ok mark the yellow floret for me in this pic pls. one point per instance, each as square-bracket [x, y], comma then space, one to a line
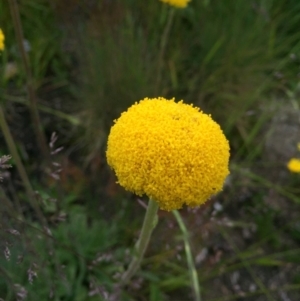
[1, 39]
[177, 3]
[294, 165]
[170, 151]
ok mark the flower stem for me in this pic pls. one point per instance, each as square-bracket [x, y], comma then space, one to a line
[189, 257]
[162, 49]
[142, 243]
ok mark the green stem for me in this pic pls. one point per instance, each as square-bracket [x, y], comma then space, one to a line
[68, 117]
[189, 257]
[142, 243]
[41, 140]
[162, 49]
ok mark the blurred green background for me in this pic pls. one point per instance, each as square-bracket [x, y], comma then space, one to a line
[88, 61]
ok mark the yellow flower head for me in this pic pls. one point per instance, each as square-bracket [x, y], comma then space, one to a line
[170, 151]
[177, 3]
[294, 165]
[1, 39]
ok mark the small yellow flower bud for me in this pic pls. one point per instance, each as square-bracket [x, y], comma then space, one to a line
[294, 165]
[2, 38]
[177, 3]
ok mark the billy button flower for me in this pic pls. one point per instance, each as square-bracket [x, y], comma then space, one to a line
[294, 164]
[2, 38]
[177, 3]
[172, 152]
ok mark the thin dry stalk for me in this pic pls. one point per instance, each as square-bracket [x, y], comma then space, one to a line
[21, 169]
[41, 140]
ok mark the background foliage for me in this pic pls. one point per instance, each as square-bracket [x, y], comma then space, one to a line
[237, 60]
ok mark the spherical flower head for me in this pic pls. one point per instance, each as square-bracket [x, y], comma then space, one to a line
[177, 3]
[294, 165]
[1, 39]
[170, 151]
